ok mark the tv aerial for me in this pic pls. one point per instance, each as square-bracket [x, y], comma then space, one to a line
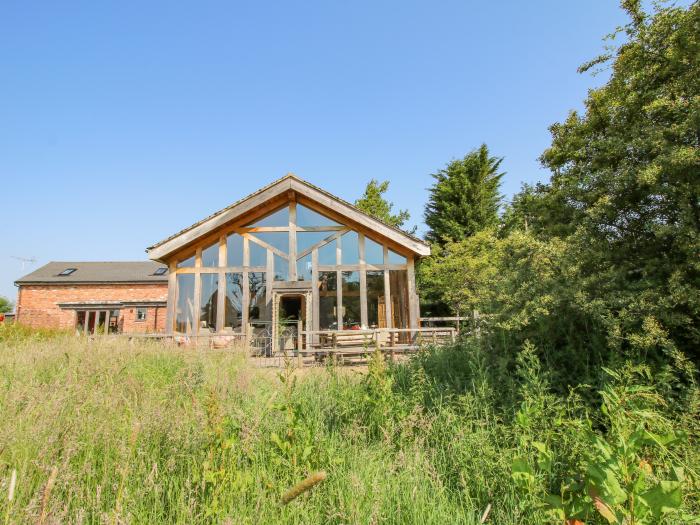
[24, 260]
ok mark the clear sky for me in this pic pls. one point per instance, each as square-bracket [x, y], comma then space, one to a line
[123, 122]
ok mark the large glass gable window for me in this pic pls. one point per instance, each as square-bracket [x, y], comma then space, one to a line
[355, 281]
[307, 218]
[280, 218]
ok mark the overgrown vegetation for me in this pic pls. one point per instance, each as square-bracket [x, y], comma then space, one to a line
[574, 399]
[105, 431]
[600, 264]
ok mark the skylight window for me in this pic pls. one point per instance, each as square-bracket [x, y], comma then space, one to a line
[160, 271]
[67, 271]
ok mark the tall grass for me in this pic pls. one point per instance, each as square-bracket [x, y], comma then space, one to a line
[119, 433]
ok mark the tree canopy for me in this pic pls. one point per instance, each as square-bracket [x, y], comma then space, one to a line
[603, 258]
[5, 305]
[373, 203]
[465, 197]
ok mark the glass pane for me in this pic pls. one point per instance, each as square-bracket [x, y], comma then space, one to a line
[306, 240]
[90, 323]
[234, 250]
[186, 263]
[328, 300]
[374, 252]
[114, 321]
[80, 321]
[307, 217]
[278, 218]
[326, 254]
[258, 300]
[258, 254]
[350, 246]
[398, 286]
[351, 300]
[281, 269]
[279, 240]
[376, 302]
[208, 302]
[233, 304]
[210, 256]
[101, 322]
[304, 268]
[395, 258]
[184, 309]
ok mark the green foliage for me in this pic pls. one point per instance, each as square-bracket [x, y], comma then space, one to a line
[373, 203]
[464, 198]
[142, 433]
[628, 171]
[461, 274]
[616, 480]
[19, 333]
[601, 263]
[5, 305]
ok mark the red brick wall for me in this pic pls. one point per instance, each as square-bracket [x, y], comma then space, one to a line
[37, 305]
[155, 319]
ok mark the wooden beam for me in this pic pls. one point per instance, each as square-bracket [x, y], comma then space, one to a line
[265, 201]
[269, 279]
[387, 293]
[229, 269]
[357, 216]
[292, 241]
[221, 293]
[246, 287]
[363, 282]
[323, 242]
[339, 298]
[267, 246]
[172, 298]
[412, 296]
[339, 285]
[247, 207]
[357, 267]
[197, 292]
[314, 289]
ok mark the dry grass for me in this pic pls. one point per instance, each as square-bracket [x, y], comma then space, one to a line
[105, 432]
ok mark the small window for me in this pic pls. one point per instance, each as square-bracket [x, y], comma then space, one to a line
[67, 271]
[160, 271]
[141, 314]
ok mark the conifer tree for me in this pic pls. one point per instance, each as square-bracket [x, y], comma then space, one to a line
[465, 197]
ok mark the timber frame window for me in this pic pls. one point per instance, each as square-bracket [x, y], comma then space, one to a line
[225, 281]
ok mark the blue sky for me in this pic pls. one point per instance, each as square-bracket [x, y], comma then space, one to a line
[123, 122]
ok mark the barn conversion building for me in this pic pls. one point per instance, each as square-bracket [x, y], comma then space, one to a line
[289, 250]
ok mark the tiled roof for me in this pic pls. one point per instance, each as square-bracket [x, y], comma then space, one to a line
[279, 182]
[96, 272]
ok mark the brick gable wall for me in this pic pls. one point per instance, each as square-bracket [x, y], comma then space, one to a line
[37, 304]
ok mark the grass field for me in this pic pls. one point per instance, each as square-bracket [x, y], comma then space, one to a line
[108, 432]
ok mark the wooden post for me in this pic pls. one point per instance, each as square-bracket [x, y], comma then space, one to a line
[363, 282]
[197, 292]
[248, 333]
[387, 291]
[413, 305]
[300, 342]
[292, 239]
[172, 298]
[245, 306]
[221, 292]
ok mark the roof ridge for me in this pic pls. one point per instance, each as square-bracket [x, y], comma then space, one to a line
[287, 176]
